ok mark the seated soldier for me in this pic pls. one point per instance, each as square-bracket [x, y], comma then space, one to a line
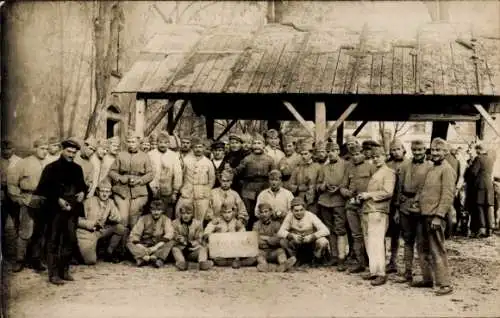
[227, 223]
[223, 194]
[305, 234]
[188, 235]
[270, 245]
[277, 196]
[152, 236]
[101, 220]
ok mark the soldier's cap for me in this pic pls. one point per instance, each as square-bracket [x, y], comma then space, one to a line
[378, 151]
[156, 205]
[439, 142]
[226, 174]
[163, 136]
[351, 139]
[235, 137]
[305, 145]
[356, 149]
[54, 140]
[218, 145]
[114, 140]
[104, 184]
[102, 143]
[145, 141]
[133, 135]
[418, 142]
[70, 143]
[227, 205]
[272, 133]
[332, 146]
[153, 137]
[7, 144]
[196, 141]
[90, 142]
[257, 137]
[247, 138]
[289, 140]
[297, 201]
[264, 205]
[186, 207]
[396, 143]
[40, 141]
[185, 137]
[275, 174]
[319, 146]
[368, 144]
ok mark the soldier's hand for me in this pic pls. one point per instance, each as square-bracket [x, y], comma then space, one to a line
[79, 197]
[124, 180]
[322, 187]
[436, 223]
[308, 238]
[396, 217]
[133, 182]
[174, 197]
[64, 204]
[332, 189]
[155, 190]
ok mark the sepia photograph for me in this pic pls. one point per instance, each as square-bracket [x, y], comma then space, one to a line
[274, 158]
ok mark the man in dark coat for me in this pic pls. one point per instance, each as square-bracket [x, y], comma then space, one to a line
[62, 185]
[233, 158]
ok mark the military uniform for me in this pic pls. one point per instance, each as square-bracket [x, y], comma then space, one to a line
[188, 244]
[280, 201]
[303, 183]
[271, 246]
[7, 205]
[218, 197]
[482, 195]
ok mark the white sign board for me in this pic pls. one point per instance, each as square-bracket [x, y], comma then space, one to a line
[234, 244]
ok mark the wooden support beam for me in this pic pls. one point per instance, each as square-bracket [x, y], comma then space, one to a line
[340, 135]
[209, 126]
[227, 129]
[440, 129]
[320, 121]
[170, 120]
[359, 128]
[442, 117]
[297, 116]
[178, 115]
[140, 112]
[342, 118]
[157, 119]
[488, 119]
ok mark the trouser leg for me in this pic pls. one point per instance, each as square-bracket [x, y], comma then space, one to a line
[409, 224]
[200, 209]
[354, 220]
[53, 243]
[250, 206]
[137, 250]
[169, 205]
[26, 227]
[136, 207]
[39, 228]
[376, 229]
[395, 233]
[339, 228]
[117, 233]
[123, 206]
[327, 217]
[178, 254]
[438, 253]
[68, 241]
[162, 252]
[482, 216]
[423, 246]
[320, 247]
[87, 244]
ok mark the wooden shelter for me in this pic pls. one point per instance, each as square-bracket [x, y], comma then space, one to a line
[283, 72]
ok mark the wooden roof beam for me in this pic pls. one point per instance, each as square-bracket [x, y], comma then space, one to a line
[489, 120]
[157, 119]
[359, 128]
[227, 129]
[342, 118]
[297, 116]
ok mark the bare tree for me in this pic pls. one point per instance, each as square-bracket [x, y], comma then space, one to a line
[388, 132]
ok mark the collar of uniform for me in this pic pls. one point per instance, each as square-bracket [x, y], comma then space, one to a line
[418, 161]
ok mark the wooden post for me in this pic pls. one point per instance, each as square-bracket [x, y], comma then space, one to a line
[489, 120]
[340, 135]
[297, 116]
[209, 126]
[440, 129]
[359, 128]
[320, 122]
[170, 120]
[342, 118]
[140, 112]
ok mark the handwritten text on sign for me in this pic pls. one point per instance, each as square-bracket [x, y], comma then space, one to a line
[236, 244]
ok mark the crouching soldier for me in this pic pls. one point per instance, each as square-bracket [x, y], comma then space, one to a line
[188, 235]
[151, 238]
[227, 223]
[101, 220]
[270, 245]
[304, 232]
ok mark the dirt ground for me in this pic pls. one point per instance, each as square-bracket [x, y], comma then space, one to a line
[109, 290]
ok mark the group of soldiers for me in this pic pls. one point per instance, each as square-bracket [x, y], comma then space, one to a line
[309, 203]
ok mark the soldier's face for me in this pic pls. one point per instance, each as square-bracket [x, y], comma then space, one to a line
[289, 149]
[7, 153]
[54, 149]
[156, 213]
[225, 183]
[306, 155]
[199, 150]
[218, 153]
[273, 141]
[418, 152]
[437, 152]
[145, 146]
[69, 153]
[186, 215]
[333, 154]
[234, 145]
[132, 144]
[321, 154]
[397, 152]
[41, 151]
[368, 153]
[265, 214]
[185, 145]
[227, 215]
[247, 145]
[275, 184]
[114, 148]
[163, 145]
[298, 212]
[104, 194]
[88, 150]
[154, 145]
[379, 160]
[257, 146]
[101, 152]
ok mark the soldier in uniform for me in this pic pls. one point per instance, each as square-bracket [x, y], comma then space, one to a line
[109, 158]
[145, 145]
[376, 207]
[435, 199]
[303, 182]
[130, 173]
[186, 147]
[63, 187]
[291, 160]
[411, 176]
[218, 153]
[8, 207]
[396, 159]
[233, 158]
[22, 182]
[359, 173]
[168, 177]
[153, 141]
[273, 146]
[279, 198]
[54, 151]
[320, 155]
[83, 159]
[198, 180]
[254, 170]
[332, 177]
[96, 160]
[247, 142]
[367, 146]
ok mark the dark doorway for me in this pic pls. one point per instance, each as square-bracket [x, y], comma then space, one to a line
[113, 122]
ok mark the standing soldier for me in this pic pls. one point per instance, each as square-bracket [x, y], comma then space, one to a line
[358, 176]
[109, 158]
[54, 150]
[279, 198]
[246, 145]
[22, 184]
[291, 160]
[233, 158]
[320, 155]
[145, 145]
[367, 146]
[218, 152]
[155, 158]
[130, 173]
[96, 160]
[254, 170]
[8, 207]
[186, 147]
[83, 159]
[303, 182]
[153, 141]
[198, 179]
[396, 159]
[273, 146]
[376, 207]
[435, 199]
[411, 176]
[332, 177]
[169, 175]
[63, 187]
